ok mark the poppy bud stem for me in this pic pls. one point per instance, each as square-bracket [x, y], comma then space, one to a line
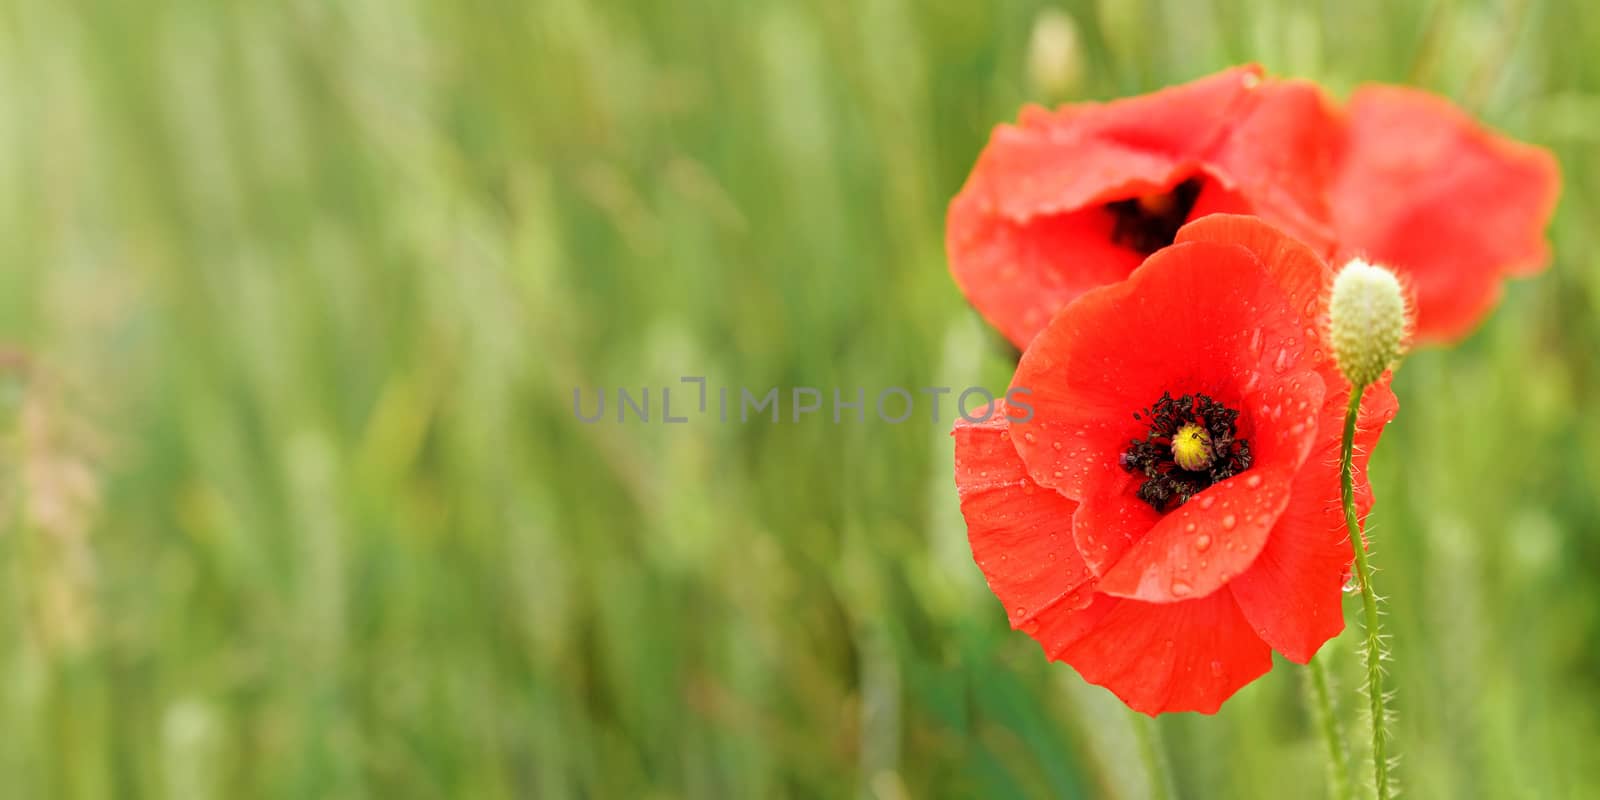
[1369, 604]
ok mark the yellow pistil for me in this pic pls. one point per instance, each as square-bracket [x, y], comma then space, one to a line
[1191, 447]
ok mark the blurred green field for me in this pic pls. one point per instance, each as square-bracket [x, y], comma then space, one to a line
[294, 297]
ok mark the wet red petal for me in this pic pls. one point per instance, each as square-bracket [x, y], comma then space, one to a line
[1111, 519]
[1293, 593]
[1449, 205]
[1299, 273]
[1062, 628]
[1020, 532]
[1161, 657]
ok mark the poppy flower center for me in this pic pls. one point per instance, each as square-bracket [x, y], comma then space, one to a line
[1192, 443]
[1150, 222]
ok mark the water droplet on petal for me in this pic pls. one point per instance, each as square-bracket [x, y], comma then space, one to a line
[1202, 541]
[1253, 481]
[1228, 522]
[1181, 589]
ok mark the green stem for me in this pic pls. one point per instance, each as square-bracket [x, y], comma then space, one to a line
[1321, 700]
[1369, 604]
[1155, 761]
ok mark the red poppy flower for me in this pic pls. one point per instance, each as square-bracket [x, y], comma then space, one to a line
[1170, 512]
[1071, 199]
[1446, 204]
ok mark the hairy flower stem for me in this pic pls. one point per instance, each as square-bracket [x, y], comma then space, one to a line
[1321, 700]
[1369, 604]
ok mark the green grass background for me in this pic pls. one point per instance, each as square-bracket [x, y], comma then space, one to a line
[293, 297]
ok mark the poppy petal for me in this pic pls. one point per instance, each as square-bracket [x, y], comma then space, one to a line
[1378, 408]
[1161, 657]
[1451, 206]
[1020, 532]
[1292, 594]
[1087, 154]
[1017, 274]
[1062, 627]
[1300, 274]
[1110, 519]
[1281, 156]
[1215, 198]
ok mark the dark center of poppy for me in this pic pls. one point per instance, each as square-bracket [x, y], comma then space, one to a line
[1148, 223]
[1192, 444]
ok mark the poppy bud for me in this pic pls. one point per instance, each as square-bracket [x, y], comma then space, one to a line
[1368, 321]
[1055, 60]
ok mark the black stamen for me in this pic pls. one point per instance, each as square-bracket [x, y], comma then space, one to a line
[1148, 224]
[1166, 481]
